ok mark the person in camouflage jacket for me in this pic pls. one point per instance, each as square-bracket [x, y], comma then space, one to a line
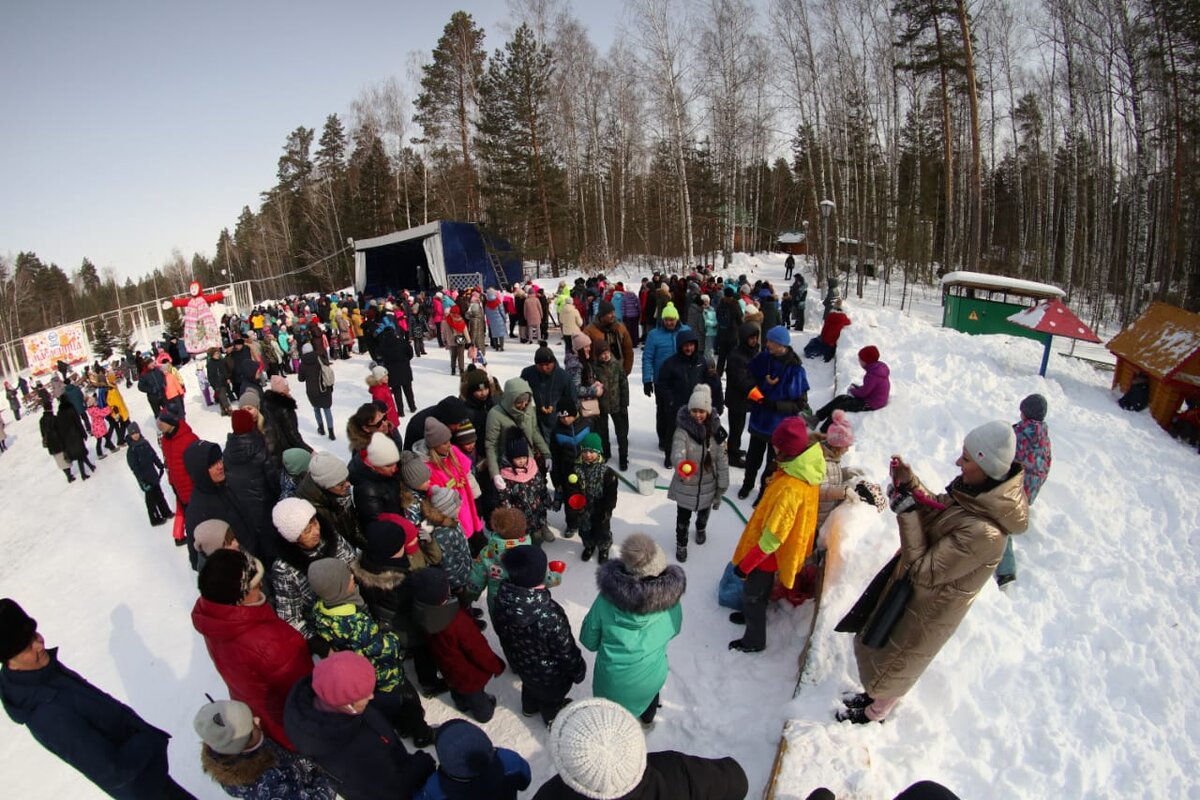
[535, 635]
[340, 617]
[508, 530]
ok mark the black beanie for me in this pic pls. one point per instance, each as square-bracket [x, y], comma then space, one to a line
[16, 629]
[606, 308]
[526, 565]
[544, 355]
[223, 577]
[430, 586]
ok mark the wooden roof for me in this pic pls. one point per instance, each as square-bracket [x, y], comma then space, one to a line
[1164, 342]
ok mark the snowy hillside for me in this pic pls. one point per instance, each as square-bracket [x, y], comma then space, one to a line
[1078, 682]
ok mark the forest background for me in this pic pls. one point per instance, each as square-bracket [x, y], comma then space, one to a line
[1054, 140]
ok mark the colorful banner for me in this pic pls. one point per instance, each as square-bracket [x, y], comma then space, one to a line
[45, 349]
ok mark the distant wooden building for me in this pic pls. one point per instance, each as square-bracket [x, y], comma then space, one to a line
[1163, 343]
[792, 242]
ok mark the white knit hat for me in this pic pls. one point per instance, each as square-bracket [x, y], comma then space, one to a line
[701, 398]
[598, 748]
[382, 451]
[992, 446]
[379, 373]
[291, 516]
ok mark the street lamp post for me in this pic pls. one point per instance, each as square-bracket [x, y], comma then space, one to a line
[827, 207]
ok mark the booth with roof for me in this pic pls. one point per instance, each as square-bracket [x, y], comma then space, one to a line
[978, 303]
[452, 255]
[1164, 345]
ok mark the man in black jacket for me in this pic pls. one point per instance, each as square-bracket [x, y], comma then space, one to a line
[551, 385]
[740, 383]
[212, 498]
[114, 748]
[679, 375]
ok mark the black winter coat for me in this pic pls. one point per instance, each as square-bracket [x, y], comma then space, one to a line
[671, 776]
[548, 390]
[217, 371]
[71, 432]
[104, 739]
[310, 376]
[144, 463]
[374, 494]
[536, 637]
[389, 598]
[254, 483]
[243, 370]
[216, 501]
[362, 753]
[153, 383]
[678, 375]
[395, 353]
[739, 380]
[281, 426]
[51, 440]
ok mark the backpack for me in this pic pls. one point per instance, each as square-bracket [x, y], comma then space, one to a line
[327, 377]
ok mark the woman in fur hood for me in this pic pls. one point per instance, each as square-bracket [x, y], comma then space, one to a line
[635, 616]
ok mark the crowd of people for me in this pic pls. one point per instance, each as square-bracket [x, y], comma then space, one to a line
[418, 540]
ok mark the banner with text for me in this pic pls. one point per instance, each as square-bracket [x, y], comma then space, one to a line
[45, 349]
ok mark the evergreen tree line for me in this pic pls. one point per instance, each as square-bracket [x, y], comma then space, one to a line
[1054, 140]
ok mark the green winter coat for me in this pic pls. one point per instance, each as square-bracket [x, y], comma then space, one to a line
[628, 627]
[504, 416]
[348, 627]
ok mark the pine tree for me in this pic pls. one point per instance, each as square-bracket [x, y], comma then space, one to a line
[449, 92]
[89, 277]
[512, 138]
[104, 341]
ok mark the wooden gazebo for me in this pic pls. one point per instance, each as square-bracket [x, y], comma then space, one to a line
[1163, 343]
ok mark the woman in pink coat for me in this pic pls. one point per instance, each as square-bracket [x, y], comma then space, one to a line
[437, 313]
[450, 467]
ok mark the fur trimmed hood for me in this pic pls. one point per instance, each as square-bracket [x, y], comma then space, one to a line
[688, 424]
[385, 579]
[640, 595]
[242, 769]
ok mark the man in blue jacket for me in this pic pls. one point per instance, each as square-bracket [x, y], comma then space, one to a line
[112, 746]
[779, 376]
[660, 345]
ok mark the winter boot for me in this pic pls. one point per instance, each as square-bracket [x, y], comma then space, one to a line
[701, 535]
[70, 475]
[587, 553]
[737, 460]
[569, 533]
[681, 553]
[856, 715]
[602, 555]
[624, 465]
[320, 430]
[332, 435]
[856, 699]
[745, 491]
[547, 534]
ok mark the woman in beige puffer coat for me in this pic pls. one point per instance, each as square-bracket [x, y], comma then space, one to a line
[950, 545]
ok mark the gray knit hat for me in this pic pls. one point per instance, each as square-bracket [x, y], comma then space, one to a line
[413, 470]
[327, 470]
[1034, 407]
[328, 578]
[436, 433]
[992, 446]
[249, 399]
[642, 556]
[447, 501]
[225, 726]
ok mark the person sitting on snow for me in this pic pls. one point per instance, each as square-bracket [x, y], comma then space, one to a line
[871, 395]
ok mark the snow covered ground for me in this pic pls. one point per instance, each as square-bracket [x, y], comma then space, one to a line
[1078, 682]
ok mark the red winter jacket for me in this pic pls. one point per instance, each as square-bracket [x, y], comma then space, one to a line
[259, 656]
[832, 329]
[463, 655]
[172, 450]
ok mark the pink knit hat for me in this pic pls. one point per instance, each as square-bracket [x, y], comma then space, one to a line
[343, 678]
[839, 433]
[279, 384]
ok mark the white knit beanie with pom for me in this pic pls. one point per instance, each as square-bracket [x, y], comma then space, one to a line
[598, 748]
[701, 398]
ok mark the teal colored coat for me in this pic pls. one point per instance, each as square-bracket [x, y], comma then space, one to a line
[628, 627]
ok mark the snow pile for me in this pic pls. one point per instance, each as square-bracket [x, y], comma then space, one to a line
[1076, 683]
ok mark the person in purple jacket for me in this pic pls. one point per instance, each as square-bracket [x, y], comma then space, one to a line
[871, 395]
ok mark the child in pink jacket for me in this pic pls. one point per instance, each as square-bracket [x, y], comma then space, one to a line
[450, 467]
[103, 432]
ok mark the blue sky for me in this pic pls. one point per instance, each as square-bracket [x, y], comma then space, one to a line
[131, 128]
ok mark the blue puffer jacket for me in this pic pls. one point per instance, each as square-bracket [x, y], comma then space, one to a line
[536, 637]
[660, 345]
[781, 400]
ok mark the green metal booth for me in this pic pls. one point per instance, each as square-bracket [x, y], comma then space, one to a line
[978, 303]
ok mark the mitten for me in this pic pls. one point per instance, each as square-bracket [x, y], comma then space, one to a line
[737, 573]
[871, 493]
[716, 506]
[499, 483]
[648, 388]
[900, 500]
